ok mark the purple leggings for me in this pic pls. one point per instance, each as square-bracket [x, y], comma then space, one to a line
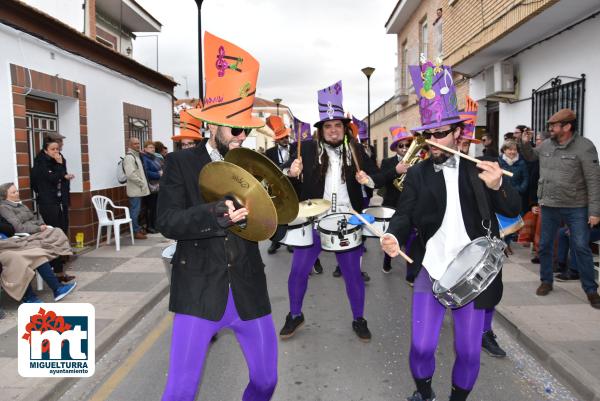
[303, 261]
[189, 343]
[427, 319]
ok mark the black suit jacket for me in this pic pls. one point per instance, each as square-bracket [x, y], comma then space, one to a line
[272, 154]
[388, 174]
[422, 204]
[208, 258]
[312, 186]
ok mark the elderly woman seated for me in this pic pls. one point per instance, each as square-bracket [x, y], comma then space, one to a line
[18, 262]
[24, 221]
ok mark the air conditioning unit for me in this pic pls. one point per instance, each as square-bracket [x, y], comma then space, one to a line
[499, 79]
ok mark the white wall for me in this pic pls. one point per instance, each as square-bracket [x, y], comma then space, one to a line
[69, 12]
[571, 53]
[106, 92]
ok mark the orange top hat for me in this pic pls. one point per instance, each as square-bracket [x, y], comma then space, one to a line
[231, 75]
[189, 127]
[276, 124]
[470, 114]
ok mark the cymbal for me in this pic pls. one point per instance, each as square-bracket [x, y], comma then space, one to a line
[219, 179]
[313, 207]
[277, 185]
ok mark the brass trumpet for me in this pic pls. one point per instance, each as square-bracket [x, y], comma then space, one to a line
[411, 158]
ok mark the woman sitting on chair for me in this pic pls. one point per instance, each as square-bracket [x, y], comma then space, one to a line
[24, 221]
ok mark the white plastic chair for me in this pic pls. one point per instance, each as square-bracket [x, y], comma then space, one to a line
[106, 218]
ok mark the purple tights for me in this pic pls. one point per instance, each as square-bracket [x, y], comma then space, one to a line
[189, 343]
[303, 261]
[427, 319]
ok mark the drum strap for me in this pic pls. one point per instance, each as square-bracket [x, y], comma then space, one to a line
[482, 200]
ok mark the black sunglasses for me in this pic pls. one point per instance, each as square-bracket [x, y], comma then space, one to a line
[437, 135]
[403, 146]
[238, 131]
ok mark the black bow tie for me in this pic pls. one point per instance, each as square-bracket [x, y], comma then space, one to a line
[451, 163]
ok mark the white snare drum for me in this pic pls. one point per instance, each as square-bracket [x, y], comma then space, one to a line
[167, 256]
[471, 272]
[337, 234]
[299, 233]
[382, 215]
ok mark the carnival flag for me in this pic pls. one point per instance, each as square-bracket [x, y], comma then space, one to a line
[301, 130]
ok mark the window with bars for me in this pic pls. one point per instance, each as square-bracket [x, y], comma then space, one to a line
[423, 38]
[138, 128]
[546, 102]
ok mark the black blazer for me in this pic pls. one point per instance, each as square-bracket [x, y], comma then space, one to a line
[422, 204]
[312, 186]
[272, 154]
[208, 258]
[388, 170]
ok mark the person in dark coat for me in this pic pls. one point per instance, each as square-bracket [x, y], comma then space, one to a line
[447, 199]
[153, 170]
[218, 279]
[51, 183]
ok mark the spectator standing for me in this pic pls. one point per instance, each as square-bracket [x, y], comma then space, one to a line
[489, 146]
[137, 184]
[153, 170]
[569, 190]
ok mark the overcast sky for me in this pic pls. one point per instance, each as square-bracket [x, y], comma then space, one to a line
[301, 45]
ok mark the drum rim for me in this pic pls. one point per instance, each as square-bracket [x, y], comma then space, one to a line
[379, 207]
[329, 232]
[297, 226]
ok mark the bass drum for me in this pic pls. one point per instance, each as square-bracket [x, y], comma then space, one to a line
[471, 272]
[382, 215]
[338, 234]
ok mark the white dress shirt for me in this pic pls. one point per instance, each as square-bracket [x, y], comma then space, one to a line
[334, 183]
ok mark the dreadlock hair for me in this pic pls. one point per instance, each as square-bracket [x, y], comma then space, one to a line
[349, 145]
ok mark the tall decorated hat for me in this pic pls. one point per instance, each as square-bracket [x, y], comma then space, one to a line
[436, 94]
[276, 124]
[189, 127]
[330, 104]
[398, 133]
[362, 128]
[470, 113]
[231, 75]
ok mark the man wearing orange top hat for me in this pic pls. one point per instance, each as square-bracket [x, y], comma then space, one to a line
[189, 130]
[279, 154]
[218, 278]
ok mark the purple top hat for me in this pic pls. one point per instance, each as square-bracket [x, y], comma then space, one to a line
[398, 134]
[330, 104]
[362, 128]
[437, 95]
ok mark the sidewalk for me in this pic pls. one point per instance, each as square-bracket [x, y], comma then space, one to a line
[561, 329]
[122, 286]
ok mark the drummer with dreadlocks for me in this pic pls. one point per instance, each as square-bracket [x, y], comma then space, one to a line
[446, 199]
[327, 170]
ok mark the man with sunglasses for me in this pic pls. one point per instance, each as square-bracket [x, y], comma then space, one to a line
[569, 190]
[218, 279]
[448, 200]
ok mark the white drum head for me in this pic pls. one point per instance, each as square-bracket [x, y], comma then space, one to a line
[330, 222]
[169, 251]
[380, 212]
[468, 258]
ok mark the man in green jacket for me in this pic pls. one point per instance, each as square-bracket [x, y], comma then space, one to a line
[569, 190]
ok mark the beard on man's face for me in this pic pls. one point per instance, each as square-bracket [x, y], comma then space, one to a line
[222, 144]
[439, 159]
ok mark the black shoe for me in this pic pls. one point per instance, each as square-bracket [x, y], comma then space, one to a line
[362, 331]
[418, 397]
[365, 276]
[291, 325]
[337, 272]
[535, 260]
[569, 275]
[151, 230]
[387, 268]
[273, 248]
[317, 268]
[489, 345]
[290, 249]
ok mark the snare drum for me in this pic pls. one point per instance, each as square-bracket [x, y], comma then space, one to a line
[299, 233]
[382, 215]
[337, 234]
[471, 272]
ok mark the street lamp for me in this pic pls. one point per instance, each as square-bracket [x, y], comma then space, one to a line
[277, 101]
[368, 71]
[200, 77]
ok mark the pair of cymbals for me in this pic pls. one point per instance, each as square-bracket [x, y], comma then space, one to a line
[255, 182]
[313, 207]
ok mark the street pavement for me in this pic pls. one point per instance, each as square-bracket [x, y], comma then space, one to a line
[324, 361]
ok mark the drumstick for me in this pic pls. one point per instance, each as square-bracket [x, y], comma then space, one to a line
[456, 152]
[354, 158]
[378, 233]
[299, 155]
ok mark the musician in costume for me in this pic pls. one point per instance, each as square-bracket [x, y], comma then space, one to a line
[218, 278]
[326, 170]
[446, 199]
[279, 154]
